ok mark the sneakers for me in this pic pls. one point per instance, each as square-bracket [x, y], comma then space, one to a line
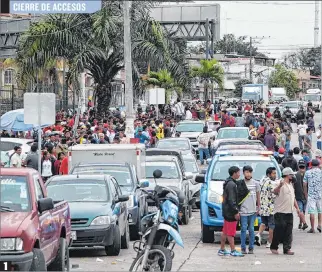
[319, 229]
[236, 253]
[251, 251]
[300, 226]
[305, 226]
[268, 244]
[223, 252]
[243, 251]
[311, 231]
[258, 240]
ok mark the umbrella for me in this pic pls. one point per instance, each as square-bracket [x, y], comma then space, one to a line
[14, 120]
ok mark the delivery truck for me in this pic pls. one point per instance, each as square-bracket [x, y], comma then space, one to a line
[255, 92]
[314, 96]
[133, 154]
[278, 95]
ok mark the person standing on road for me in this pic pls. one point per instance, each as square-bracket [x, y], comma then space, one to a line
[283, 213]
[318, 137]
[299, 193]
[301, 130]
[230, 213]
[313, 190]
[31, 160]
[249, 210]
[267, 184]
[203, 144]
[308, 141]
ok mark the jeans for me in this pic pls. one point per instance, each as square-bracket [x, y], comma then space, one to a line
[287, 146]
[319, 145]
[283, 232]
[203, 151]
[247, 222]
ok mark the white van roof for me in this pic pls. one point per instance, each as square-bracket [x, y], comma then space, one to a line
[102, 147]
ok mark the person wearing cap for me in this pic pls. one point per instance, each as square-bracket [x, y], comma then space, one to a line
[142, 138]
[283, 213]
[318, 137]
[318, 156]
[313, 192]
[299, 193]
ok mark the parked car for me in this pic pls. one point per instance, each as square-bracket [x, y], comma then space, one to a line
[182, 144]
[99, 215]
[240, 145]
[35, 230]
[212, 186]
[126, 177]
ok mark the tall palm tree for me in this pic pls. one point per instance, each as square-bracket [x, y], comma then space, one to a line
[209, 72]
[95, 43]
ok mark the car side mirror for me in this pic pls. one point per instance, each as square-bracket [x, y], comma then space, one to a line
[144, 184]
[200, 179]
[45, 204]
[122, 198]
[188, 175]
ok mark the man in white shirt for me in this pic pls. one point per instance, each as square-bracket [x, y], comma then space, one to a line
[318, 137]
[179, 110]
[188, 114]
[301, 130]
[16, 158]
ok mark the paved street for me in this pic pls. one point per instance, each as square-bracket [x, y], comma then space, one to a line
[197, 256]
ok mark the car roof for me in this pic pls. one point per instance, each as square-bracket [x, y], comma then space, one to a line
[234, 128]
[17, 140]
[191, 122]
[101, 164]
[160, 158]
[174, 139]
[80, 177]
[245, 158]
[17, 171]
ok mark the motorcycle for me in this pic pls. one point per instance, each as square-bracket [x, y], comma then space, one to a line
[159, 231]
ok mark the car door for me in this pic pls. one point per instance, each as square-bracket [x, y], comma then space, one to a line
[46, 226]
[122, 207]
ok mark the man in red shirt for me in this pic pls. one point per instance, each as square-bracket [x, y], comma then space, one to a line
[247, 107]
[63, 169]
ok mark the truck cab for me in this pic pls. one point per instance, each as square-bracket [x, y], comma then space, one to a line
[314, 95]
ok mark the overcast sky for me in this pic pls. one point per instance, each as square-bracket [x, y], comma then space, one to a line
[289, 24]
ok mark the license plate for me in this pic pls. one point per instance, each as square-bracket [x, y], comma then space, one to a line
[152, 209]
[255, 223]
[74, 235]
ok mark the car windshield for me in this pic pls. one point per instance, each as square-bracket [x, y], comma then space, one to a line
[189, 127]
[233, 134]
[220, 171]
[120, 173]
[174, 144]
[312, 97]
[78, 190]
[14, 194]
[190, 165]
[169, 169]
[291, 105]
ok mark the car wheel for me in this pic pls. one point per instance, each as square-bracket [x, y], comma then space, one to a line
[185, 217]
[125, 239]
[38, 261]
[190, 211]
[61, 262]
[115, 248]
[208, 236]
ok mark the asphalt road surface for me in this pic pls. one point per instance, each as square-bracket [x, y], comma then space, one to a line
[196, 256]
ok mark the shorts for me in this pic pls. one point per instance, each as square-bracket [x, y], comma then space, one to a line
[314, 206]
[268, 221]
[229, 228]
[302, 205]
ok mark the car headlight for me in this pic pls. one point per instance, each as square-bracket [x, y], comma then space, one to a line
[214, 197]
[8, 244]
[101, 220]
[130, 202]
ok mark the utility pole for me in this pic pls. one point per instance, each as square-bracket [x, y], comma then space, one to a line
[321, 57]
[316, 24]
[250, 59]
[128, 70]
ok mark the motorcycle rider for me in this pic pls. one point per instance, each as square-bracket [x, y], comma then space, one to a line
[277, 113]
[288, 113]
[300, 116]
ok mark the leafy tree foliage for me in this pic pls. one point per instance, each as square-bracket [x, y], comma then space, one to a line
[284, 78]
[239, 86]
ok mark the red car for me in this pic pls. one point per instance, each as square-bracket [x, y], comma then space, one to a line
[35, 232]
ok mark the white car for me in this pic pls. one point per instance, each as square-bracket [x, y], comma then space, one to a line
[231, 133]
[8, 145]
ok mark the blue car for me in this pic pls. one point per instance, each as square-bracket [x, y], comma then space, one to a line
[212, 186]
[99, 215]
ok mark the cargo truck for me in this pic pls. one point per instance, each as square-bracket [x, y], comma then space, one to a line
[255, 92]
[278, 95]
[314, 95]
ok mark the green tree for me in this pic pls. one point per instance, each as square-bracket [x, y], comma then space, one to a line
[284, 78]
[239, 86]
[163, 79]
[209, 72]
[94, 42]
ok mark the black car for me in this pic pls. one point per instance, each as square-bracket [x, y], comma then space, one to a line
[125, 175]
[98, 210]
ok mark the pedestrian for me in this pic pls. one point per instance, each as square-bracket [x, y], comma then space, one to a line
[267, 185]
[31, 160]
[283, 213]
[47, 167]
[313, 190]
[203, 144]
[299, 193]
[296, 154]
[270, 140]
[249, 210]
[308, 141]
[301, 130]
[16, 157]
[230, 213]
[289, 161]
[318, 137]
